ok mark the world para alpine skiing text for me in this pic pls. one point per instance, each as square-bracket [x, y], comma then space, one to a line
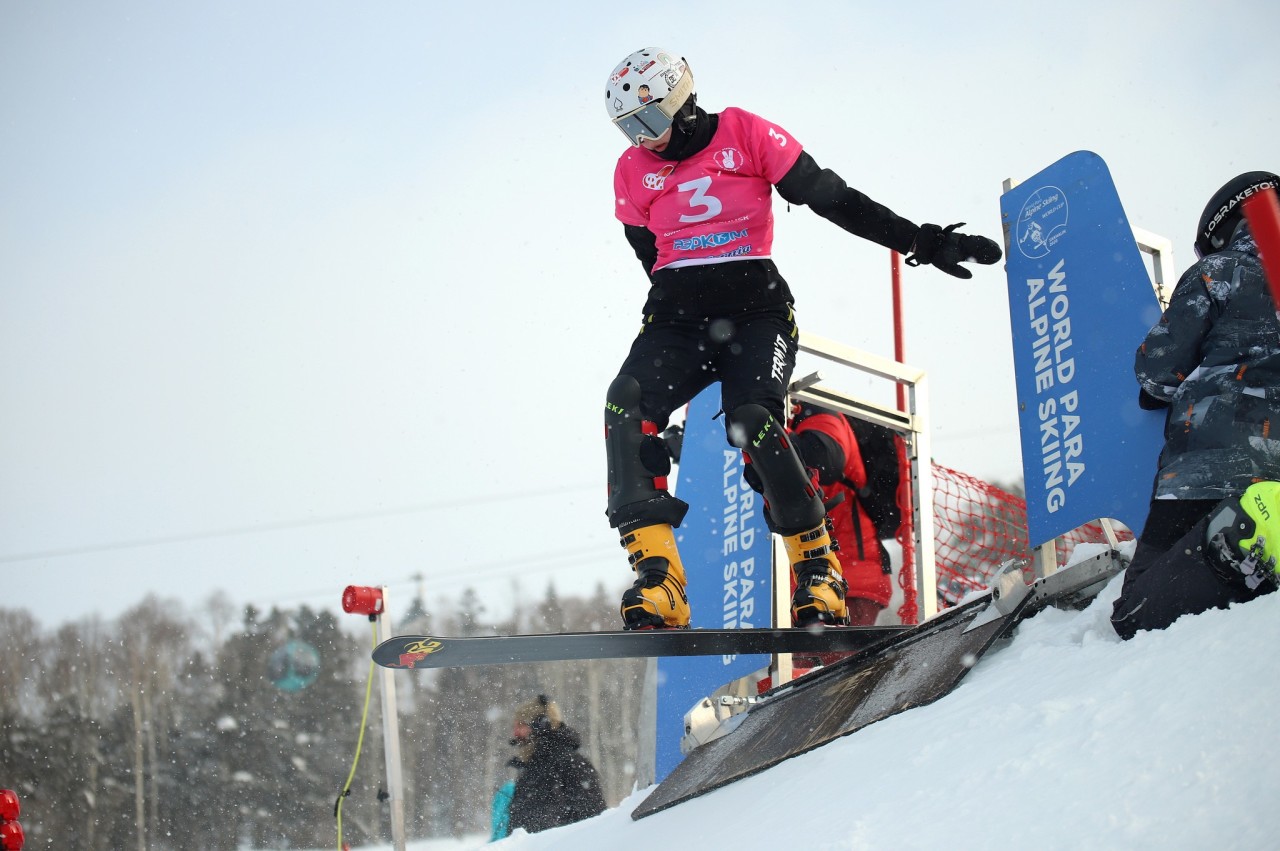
[1061, 439]
[738, 537]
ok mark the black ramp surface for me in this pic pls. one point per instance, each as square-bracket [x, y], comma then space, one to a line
[913, 669]
[906, 670]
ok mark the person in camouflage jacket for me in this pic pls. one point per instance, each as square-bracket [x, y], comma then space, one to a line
[1213, 360]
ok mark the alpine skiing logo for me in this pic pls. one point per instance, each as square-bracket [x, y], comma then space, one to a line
[1042, 222]
[657, 181]
[729, 159]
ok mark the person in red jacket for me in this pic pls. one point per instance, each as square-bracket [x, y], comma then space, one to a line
[826, 443]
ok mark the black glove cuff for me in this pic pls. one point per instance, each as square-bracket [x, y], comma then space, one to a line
[926, 242]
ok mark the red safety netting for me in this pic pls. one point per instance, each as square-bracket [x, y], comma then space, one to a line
[978, 527]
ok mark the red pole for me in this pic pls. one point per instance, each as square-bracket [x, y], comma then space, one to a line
[909, 612]
[1263, 212]
[895, 273]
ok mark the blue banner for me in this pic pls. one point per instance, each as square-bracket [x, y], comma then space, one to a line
[726, 550]
[1080, 303]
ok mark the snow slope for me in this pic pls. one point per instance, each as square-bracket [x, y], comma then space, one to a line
[1065, 738]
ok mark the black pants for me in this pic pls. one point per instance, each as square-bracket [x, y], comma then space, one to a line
[751, 354]
[1171, 574]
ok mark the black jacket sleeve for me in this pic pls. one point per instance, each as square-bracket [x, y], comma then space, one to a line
[1147, 402]
[645, 245]
[826, 193]
[821, 452]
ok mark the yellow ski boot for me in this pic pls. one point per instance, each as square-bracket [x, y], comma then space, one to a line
[819, 597]
[657, 599]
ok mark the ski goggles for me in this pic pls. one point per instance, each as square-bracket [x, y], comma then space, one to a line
[654, 118]
[648, 122]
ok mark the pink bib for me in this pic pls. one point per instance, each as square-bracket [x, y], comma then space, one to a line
[715, 206]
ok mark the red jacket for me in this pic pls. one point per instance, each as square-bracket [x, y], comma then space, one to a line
[862, 557]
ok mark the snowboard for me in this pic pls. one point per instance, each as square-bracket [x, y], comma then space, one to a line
[910, 669]
[438, 651]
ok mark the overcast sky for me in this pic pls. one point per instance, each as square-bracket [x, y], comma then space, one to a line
[301, 294]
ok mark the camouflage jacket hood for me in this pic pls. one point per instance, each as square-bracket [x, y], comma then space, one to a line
[1214, 356]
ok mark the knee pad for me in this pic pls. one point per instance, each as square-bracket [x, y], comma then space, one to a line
[793, 501]
[638, 461]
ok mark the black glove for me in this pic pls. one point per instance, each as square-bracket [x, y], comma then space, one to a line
[947, 249]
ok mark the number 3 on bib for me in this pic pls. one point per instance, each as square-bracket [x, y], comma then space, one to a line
[709, 204]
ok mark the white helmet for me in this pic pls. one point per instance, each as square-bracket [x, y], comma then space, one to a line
[646, 91]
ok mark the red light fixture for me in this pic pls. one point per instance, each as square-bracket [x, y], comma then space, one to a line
[11, 836]
[362, 600]
[9, 806]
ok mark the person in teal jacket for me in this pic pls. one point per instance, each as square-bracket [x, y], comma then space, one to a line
[500, 817]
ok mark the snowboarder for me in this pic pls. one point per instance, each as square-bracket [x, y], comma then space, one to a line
[1213, 531]
[556, 784]
[694, 195]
